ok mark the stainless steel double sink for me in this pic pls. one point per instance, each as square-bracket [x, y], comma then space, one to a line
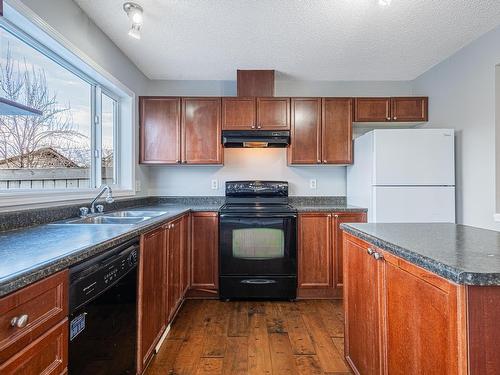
[125, 217]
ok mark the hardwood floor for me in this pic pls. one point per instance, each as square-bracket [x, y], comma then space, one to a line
[255, 338]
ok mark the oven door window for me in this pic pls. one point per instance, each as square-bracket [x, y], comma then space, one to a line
[258, 243]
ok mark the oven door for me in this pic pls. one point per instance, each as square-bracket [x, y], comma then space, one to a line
[258, 244]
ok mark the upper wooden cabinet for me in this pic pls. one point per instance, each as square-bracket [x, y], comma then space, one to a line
[336, 129]
[239, 113]
[180, 131]
[398, 109]
[273, 113]
[410, 109]
[201, 131]
[160, 130]
[305, 131]
[321, 131]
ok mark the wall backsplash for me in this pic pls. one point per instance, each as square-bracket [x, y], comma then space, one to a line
[251, 164]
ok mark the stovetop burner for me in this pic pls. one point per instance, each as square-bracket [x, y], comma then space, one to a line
[257, 196]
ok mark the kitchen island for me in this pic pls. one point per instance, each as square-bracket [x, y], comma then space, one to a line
[428, 296]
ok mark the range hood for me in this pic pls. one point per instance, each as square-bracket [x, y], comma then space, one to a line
[255, 138]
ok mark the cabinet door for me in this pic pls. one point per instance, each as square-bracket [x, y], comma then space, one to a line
[338, 243]
[372, 109]
[239, 113]
[174, 261]
[337, 131]
[47, 355]
[201, 131]
[205, 251]
[362, 291]
[185, 253]
[305, 131]
[410, 109]
[160, 130]
[273, 113]
[151, 297]
[315, 250]
[422, 321]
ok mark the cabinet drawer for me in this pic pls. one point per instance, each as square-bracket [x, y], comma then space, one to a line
[44, 303]
[48, 355]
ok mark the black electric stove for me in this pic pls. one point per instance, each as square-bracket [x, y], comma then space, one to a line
[258, 242]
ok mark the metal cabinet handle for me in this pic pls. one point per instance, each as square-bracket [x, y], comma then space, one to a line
[378, 256]
[370, 251]
[19, 321]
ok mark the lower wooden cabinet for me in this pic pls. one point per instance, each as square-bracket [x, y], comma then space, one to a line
[34, 328]
[320, 252]
[204, 253]
[400, 318]
[47, 355]
[151, 294]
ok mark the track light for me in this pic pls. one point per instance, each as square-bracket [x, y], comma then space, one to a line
[135, 14]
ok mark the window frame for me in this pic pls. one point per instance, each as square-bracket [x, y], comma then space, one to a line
[124, 100]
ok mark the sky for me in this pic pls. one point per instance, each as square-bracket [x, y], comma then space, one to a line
[70, 90]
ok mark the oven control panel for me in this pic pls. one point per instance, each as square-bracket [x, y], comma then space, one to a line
[257, 188]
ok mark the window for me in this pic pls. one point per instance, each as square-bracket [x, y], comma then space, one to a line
[73, 144]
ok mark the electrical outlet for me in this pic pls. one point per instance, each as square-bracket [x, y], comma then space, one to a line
[312, 183]
[137, 185]
[214, 185]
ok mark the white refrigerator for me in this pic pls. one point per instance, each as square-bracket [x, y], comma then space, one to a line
[404, 175]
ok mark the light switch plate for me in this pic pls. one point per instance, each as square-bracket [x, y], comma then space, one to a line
[312, 183]
[214, 185]
[137, 185]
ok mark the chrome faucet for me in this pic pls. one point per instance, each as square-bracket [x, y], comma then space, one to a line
[109, 199]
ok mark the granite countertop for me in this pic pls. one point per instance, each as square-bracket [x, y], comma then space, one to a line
[459, 253]
[30, 254]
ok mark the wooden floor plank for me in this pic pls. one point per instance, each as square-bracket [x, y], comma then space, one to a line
[259, 355]
[308, 365]
[216, 330]
[332, 323]
[163, 362]
[209, 366]
[275, 319]
[236, 359]
[329, 357]
[281, 354]
[238, 320]
[297, 333]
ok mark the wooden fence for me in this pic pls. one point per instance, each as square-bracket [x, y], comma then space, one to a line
[50, 178]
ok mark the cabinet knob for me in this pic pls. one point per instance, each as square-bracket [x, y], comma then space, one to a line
[369, 251]
[325, 161]
[19, 321]
[319, 161]
[329, 215]
[388, 118]
[378, 256]
[253, 126]
[336, 216]
[395, 118]
[259, 127]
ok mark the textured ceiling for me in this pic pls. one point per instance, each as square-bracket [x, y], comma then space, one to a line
[302, 39]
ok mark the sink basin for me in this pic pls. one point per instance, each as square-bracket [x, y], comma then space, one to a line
[104, 219]
[126, 214]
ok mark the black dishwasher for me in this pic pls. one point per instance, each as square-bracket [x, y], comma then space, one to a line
[103, 317]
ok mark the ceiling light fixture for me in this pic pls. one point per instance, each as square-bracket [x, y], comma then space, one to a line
[384, 3]
[135, 14]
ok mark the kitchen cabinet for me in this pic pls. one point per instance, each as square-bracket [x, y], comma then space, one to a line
[273, 113]
[336, 131]
[398, 109]
[174, 289]
[413, 321]
[180, 131]
[362, 299]
[320, 249]
[314, 252]
[152, 293]
[338, 243]
[160, 130]
[410, 109]
[205, 252]
[321, 131]
[201, 131]
[305, 131]
[185, 253]
[239, 113]
[36, 341]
